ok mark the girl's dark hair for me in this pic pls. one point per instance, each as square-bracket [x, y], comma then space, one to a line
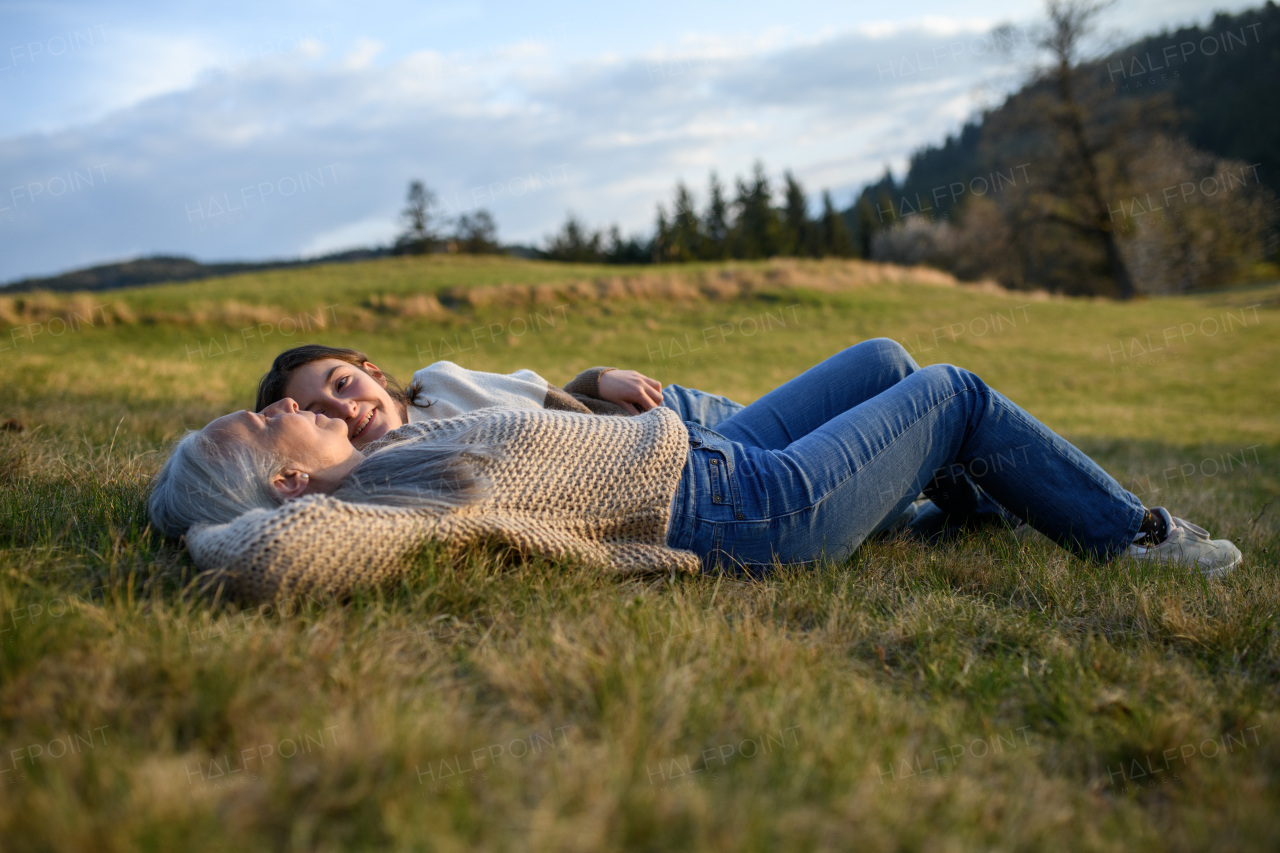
[271, 386]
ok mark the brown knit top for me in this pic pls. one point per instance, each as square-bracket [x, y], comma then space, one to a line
[567, 486]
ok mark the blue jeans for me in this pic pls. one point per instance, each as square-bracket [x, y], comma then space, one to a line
[844, 381]
[800, 474]
[704, 409]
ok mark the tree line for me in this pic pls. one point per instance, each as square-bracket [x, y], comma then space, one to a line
[746, 226]
[749, 225]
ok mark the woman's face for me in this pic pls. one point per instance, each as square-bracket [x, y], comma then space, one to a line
[337, 389]
[313, 444]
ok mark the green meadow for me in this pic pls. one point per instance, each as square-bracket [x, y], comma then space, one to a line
[980, 693]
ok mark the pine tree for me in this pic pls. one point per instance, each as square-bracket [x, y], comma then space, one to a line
[874, 211]
[685, 238]
[833, 239]
[661, 238]
[756, 229]
[715, 227]
[626, 251]
[575, 243]
[797, 232]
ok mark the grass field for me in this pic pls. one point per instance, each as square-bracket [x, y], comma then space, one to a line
[973, 695]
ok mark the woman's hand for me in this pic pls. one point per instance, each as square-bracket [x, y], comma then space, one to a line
[634, 391]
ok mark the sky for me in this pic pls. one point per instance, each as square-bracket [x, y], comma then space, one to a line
[249, 130]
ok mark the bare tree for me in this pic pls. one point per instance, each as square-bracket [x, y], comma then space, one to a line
[1080, 142]
[1070, 21]
[419, 216]
[1085, 146]
[476, 233]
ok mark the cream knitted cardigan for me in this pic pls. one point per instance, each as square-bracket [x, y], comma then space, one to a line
[567, 486]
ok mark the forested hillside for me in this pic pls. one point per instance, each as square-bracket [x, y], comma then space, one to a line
[1152, 169]
[1223, 81]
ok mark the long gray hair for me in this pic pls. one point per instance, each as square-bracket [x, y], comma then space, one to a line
[205, 481]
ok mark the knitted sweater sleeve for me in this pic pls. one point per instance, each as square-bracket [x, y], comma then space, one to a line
[587, 382]
[585, 388]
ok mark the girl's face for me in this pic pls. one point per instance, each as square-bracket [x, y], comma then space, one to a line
[337, 389]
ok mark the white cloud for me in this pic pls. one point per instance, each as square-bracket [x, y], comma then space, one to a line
[203, 168]
[376, 230]
[929, 25]
[125, 69]
[365, 51]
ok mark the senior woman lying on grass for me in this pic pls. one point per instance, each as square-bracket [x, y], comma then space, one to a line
[809, 471]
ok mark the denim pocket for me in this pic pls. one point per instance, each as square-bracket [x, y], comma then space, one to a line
[716, 455]
[718, 477]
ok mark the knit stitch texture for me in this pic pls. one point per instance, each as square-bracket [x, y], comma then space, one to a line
[566, 485]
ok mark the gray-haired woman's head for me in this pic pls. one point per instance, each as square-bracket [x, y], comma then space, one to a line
[246, 461]
[207, 482]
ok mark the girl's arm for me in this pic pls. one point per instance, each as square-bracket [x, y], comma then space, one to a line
[449, 390]
[629, 390]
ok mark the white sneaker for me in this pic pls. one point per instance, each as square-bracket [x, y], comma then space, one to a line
[1189, 545]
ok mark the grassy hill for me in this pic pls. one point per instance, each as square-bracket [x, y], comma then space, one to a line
[977, 694]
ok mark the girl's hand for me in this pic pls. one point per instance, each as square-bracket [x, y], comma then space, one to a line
[634, 391]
